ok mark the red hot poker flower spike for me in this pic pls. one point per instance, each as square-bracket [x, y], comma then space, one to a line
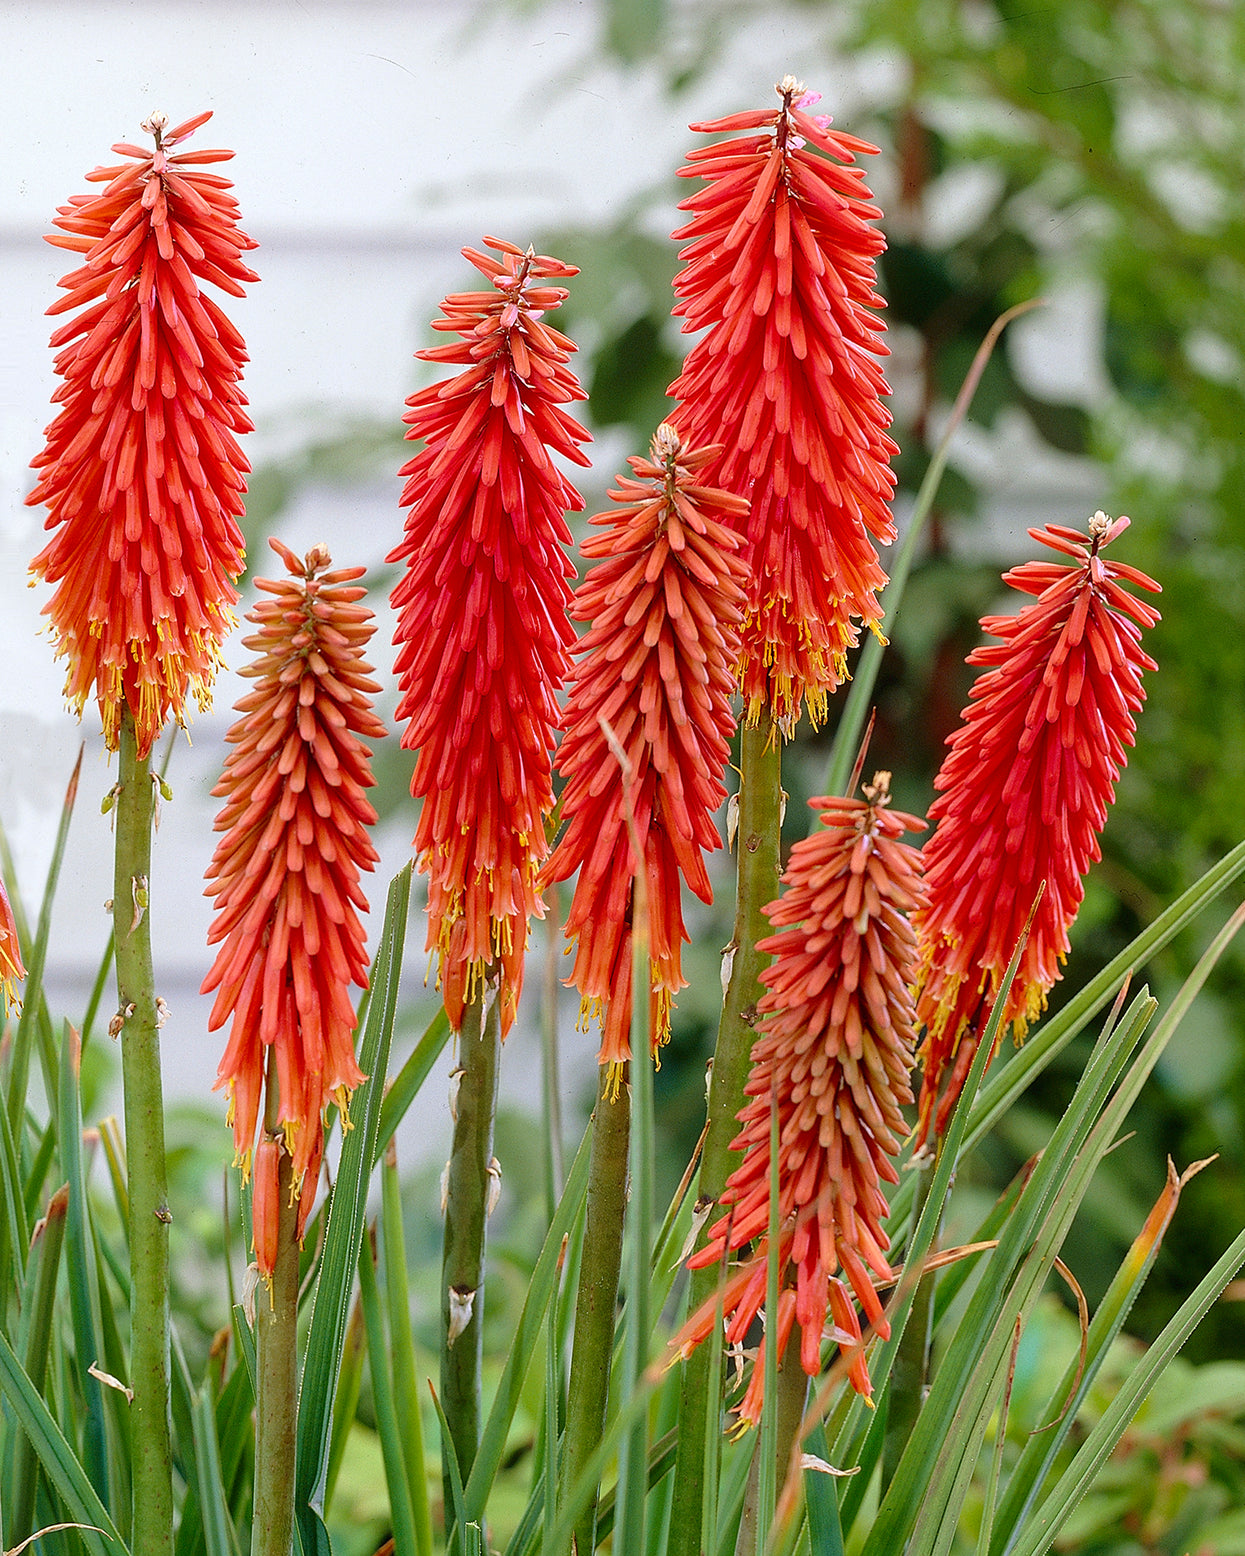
[779, 270]
[483, 638]
[142, 473]
[654, 682]
[834, 1055]
[285, 875]
[1023, 795]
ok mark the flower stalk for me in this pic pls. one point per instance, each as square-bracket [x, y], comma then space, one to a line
[150, 1216]
[470, 1186]
[276, 1337]
[760, 820]
[596, 1299]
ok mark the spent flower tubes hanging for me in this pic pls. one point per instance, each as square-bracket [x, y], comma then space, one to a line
[1023, 794]
[779, 272]
[483, 636]
[837, 1026]
[285, 875]
[141, 472]
[652, 684]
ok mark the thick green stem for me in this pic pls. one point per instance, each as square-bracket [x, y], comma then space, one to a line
[760, 809]
[597, 1297]
[276, 1413]
[467, 1185]
[792, 1393]
[909, 1374]
[144, 1133]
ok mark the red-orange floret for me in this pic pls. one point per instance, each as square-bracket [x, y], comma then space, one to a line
[285, 875]
[1023, 795]
[779, 272]
[838, 1029]
[142, 473]
[483, 635]
[652, 686]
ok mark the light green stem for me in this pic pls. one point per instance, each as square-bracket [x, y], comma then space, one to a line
[276, 1382]
[596, 1299]
[760, 803]
[466, 1214]
[144, 1133]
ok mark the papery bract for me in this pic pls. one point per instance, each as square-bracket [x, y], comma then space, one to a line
[1023, 795]
[285, 875]
[651, 689]
[779, 273]
[142, 473]
[482, 634]
[837, 1027]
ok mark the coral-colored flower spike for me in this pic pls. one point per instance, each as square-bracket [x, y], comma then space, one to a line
[653, 685]
[779, 271]
[11, 968]
[1023, 795]
[483, 636]
[141, 472]
[285, 875]
[834, 1055]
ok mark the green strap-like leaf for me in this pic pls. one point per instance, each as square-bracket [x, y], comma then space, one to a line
[343, 1238]
[67, 1475]
[1042, 1528]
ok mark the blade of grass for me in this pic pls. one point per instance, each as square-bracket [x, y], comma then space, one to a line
[84, 1298]
[938, 1448]
[343, 1239]
[346, 1403]
[59, 1461]
[542, 1286]
[388, 1428]
[1043, 1527]
[34, 1008]
[37, 1320]
[406, 1391]
[219, 1536]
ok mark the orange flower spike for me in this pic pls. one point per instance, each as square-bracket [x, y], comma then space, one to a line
[654, 680]
[483, 638]
[838, 1029]
[142, 473]
[779, 274]
[11, 969]
[1023, 795]
[285, 875]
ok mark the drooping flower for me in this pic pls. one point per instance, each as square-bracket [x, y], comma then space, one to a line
[779, 272]
[837, 1027]
[652, 685]
[142, 473]
[11, 969]
[285, 875]
[482, 633]
[1023, 795]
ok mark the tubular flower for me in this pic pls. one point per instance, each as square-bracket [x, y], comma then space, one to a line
[285, 875]
[779, 272]
[837, 1027]
[141, 472]
[1023, 794]
[652, 687]
[483, 638]
[11, 969]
